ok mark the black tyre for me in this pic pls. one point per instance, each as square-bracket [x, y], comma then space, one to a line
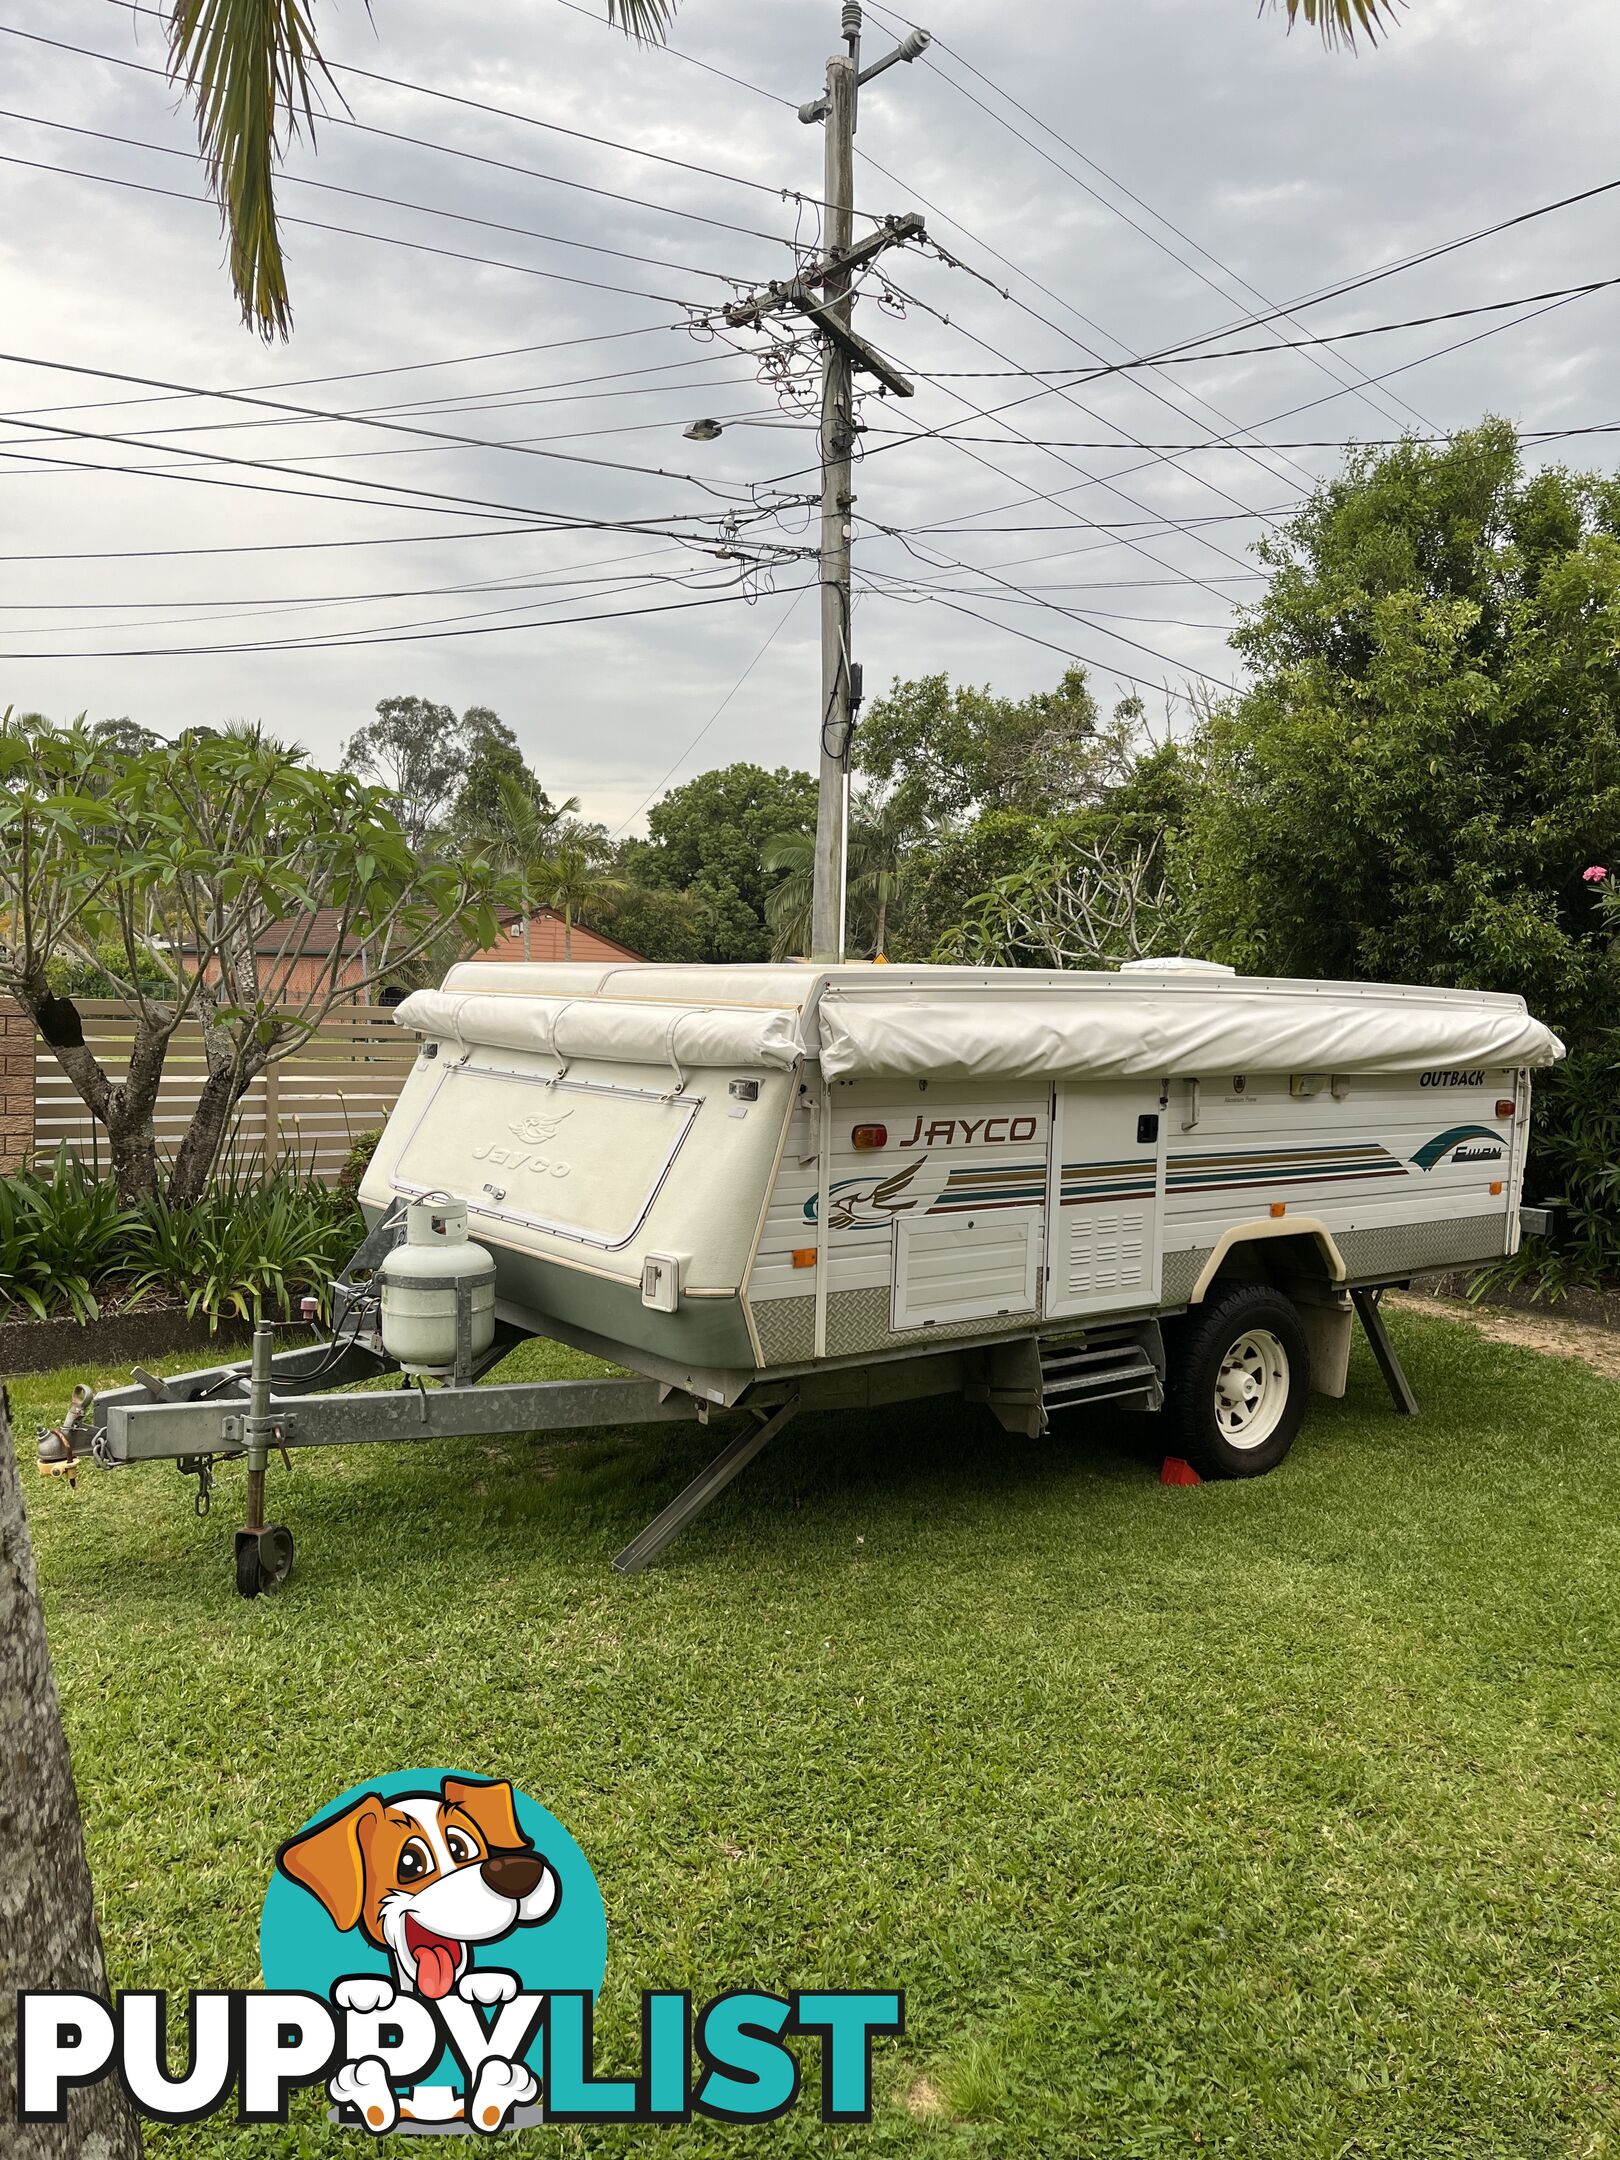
[1239, 1375]
[264, 1559]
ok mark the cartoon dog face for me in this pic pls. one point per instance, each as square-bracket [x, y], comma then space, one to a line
[426, 1876]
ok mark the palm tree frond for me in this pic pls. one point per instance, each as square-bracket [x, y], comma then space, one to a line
[1339, 20]
[251, 69]
[647, 21]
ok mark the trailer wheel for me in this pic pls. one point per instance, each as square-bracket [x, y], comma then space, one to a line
[264, 1559]
[1240, 1375]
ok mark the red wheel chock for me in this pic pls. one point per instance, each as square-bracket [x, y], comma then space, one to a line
[1173, 1471]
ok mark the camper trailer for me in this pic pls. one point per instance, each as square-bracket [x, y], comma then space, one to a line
[762, 1189]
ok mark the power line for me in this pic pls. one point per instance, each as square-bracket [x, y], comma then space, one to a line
[392, 202]
[381, 638]
[550, 127]
[1070, 614]
[1354, 442]
[756, 88]
[418, 142]
[270, 603]
[403, 636]
[1138, 682]
[1165, 523]
[1241, 352]
[1152, 238]
[1094, 478]
[351, 232]
[659, 786]
[413, 367]
[673, 52]
[1035, 314]
[1272, 420]
[928, 589]
[445, 408]
[303, 547]
[610, 586]
[464, 503]
[423, 449]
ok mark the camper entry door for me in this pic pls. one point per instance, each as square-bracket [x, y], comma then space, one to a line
[1104, 1196]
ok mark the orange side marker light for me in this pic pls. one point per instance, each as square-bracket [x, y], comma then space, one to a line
[804, 1256]
[1279, 1207]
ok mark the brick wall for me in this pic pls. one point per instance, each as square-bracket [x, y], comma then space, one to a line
[16, 1086]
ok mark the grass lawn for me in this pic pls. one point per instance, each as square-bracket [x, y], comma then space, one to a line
[1269, 1819]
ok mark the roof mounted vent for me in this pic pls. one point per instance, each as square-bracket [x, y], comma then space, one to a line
[1175, 964]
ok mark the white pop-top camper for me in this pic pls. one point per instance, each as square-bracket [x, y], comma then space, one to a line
[769, 1186]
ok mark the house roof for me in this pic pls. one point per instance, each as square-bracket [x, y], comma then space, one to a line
[319, 936]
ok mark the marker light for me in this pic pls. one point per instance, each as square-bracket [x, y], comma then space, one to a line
[1504, 1107]
[870, 1136]
[804, 1256]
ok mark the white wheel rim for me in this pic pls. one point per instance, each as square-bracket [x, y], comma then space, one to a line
[1251, 1389]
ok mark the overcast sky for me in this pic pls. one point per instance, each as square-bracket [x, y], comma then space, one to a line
[1294, 169]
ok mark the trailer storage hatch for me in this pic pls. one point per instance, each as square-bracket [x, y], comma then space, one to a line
[581, 1158]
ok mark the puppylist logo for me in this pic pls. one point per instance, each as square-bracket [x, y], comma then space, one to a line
[432, 1946]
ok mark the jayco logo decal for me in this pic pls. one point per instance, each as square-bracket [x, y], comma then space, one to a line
[432, 1946]
[962, 1132]
[1456, 1144]
[535, 1131]
[857, 1202]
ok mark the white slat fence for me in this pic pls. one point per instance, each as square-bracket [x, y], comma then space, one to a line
[306, 1108]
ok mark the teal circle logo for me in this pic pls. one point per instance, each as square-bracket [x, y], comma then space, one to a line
[435, 1885]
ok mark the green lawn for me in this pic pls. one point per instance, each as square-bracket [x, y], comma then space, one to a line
[1264, 1819]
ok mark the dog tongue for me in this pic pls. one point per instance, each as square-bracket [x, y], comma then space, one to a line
[435, 1969]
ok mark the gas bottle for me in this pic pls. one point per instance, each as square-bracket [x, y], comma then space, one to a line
[422, 1280]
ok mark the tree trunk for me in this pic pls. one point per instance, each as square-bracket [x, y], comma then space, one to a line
[48, 1932]
[198, 1153]
[528, 937]
[126, 1109]
[882, 921]
[568, 933]
[132, 1144]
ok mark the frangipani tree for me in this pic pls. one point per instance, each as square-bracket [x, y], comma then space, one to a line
[189, 877]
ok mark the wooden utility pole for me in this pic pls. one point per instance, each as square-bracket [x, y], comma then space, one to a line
[837, 504]
[843, 354]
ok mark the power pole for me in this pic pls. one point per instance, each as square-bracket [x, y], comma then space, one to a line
[843, 353]
[837, 506]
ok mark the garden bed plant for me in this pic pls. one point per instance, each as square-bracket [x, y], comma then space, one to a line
[252, 1246]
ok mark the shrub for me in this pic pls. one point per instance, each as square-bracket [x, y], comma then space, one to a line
[252, 1245]
[61, 1232]
[356, 1163]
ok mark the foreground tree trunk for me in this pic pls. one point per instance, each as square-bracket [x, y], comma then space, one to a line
[48, 1933]
[124, 1108]
[226, 1082]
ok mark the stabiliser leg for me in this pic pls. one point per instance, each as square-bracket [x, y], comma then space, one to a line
[672, 1520]
[1389, 1364]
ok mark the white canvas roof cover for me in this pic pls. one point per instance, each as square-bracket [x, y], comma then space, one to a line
[903, 1023]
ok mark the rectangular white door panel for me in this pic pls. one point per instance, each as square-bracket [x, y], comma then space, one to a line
[973, 1267]
[1104, 1198]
